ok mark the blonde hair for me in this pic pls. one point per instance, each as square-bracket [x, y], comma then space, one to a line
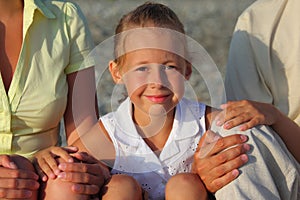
[148, 14]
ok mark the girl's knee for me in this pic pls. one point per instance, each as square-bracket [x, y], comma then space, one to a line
[184, 179]
[22, 162]
[185, 185]
[126, 182]
[122, 187]
[58, 189]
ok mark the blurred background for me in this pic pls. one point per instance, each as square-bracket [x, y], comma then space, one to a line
[209, 22]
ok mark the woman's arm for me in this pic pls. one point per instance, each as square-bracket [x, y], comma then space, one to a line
[81, 113]
[80, 117]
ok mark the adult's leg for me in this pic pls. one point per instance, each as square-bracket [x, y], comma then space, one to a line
[271, 172]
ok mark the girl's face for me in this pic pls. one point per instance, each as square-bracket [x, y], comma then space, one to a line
[154, 79]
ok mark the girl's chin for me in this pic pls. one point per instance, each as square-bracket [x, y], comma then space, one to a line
[160, 110]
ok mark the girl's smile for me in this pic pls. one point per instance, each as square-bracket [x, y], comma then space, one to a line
[157, 98]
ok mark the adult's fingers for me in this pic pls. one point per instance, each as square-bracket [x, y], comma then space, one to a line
[229, 111]
[81, 167]
[250, 124]
[15, 194]
[77, 177]
[243, 110]
[16, 183]
[85, 189]
[12, 173]
[85, 157]
[222, 181]
[225, 173]
[7, 162]
[220, 169]
[84, 183]
[223, 162]
[220, 145]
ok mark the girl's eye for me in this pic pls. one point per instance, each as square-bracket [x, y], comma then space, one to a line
[142, 69]
[169, 67]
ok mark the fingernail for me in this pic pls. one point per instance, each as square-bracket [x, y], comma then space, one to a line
[27, 193]
[222, 106]
[57, 171]
[227, 126]
[235, 172]
[244, 157]
[76, 187]
[36, 177]
[62, 175]
[246, 147]
[244, 138]
[13, 165]
[216, 138]
[52, 176]
[70, 160]
[219, 123]
[44, 179]
[62, 166]
[36, 185]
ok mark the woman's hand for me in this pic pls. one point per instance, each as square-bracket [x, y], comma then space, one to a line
[45, 161]
[217, 159]
[16, 183]
[248, 113]
[87, 173]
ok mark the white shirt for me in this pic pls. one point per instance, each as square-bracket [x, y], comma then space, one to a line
[135, 158]
[264, 58]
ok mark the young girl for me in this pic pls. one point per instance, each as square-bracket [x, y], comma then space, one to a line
[155, 131]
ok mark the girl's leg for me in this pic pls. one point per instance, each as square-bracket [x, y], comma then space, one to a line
[58, 189]
[23, 163]
[185, 186]
[122, 187]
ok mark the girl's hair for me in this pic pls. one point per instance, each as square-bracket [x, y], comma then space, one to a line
[157, 14]
[147, 15]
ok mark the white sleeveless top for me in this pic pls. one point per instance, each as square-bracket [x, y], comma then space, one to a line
[135, 158]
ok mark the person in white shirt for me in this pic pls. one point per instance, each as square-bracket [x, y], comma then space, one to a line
[263, 70]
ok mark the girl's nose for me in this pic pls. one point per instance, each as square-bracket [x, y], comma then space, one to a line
[158, 77]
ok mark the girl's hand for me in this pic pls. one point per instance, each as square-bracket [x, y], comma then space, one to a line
[45, 161]
[16, 183]
[248, 113]
[217, 159]
[87, 174]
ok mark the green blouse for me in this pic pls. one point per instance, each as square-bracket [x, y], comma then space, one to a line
[55, 41]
